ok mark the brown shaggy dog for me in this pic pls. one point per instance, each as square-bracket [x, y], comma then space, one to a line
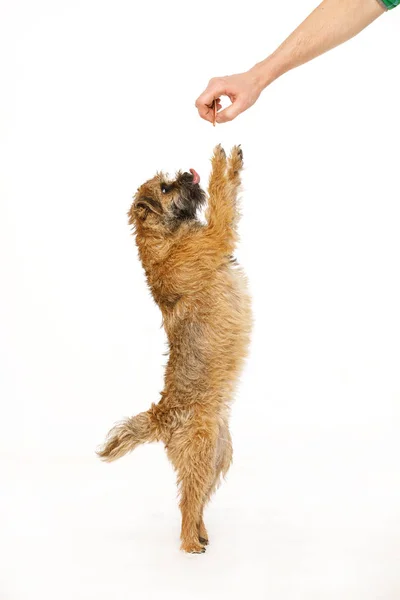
[206, 314]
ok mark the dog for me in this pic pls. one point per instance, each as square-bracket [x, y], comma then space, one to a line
[206, 311]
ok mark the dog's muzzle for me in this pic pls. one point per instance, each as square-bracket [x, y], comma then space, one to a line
[191, 196]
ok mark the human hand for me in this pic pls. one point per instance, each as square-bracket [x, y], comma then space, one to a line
[242, 90]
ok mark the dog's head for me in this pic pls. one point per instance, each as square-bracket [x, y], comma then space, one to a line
[163, 204]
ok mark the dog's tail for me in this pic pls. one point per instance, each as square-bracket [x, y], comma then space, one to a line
[128, 434]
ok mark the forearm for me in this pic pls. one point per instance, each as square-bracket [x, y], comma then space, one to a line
[330, 24]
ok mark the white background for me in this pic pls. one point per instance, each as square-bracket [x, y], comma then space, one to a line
[96, 96]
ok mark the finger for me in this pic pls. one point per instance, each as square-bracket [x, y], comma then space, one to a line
[207, 115]
[212, 92]
[205, 112]
[231, 112]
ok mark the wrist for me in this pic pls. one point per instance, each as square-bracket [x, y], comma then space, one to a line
[266, 71]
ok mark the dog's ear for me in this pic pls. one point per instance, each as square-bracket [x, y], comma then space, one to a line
[145, 203]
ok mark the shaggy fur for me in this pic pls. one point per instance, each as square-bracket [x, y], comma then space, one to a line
[206, 314]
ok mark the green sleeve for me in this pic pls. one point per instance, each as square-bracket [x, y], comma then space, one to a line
[388, 4]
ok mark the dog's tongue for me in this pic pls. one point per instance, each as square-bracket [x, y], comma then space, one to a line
[196, 176]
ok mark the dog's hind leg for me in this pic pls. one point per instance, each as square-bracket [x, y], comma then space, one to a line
[223, 462]
[194, 458]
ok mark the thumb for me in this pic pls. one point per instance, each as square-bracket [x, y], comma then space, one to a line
[231, 112]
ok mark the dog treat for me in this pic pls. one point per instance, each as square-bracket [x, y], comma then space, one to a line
[202, 293]
[214, 107]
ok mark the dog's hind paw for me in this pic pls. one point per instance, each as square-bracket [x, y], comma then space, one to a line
[203, 541]
[193, 548]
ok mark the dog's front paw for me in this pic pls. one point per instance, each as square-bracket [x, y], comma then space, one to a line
[219, 159]
[219, 152]
[236, 160]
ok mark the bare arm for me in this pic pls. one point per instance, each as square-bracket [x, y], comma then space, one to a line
[330, 24]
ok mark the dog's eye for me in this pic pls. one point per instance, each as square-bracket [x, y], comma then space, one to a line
[165, 189]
